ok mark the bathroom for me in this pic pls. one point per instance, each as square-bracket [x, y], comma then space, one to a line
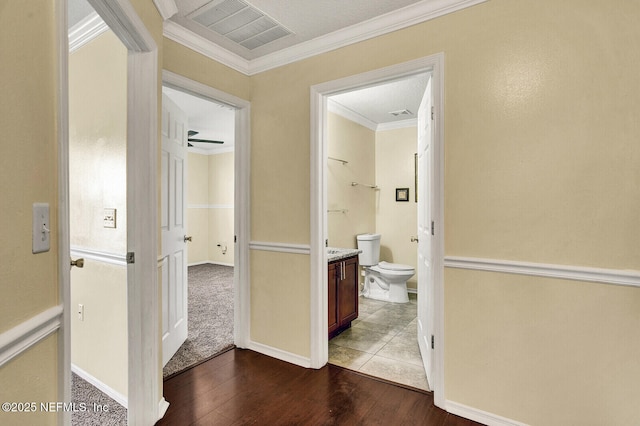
[371, 184]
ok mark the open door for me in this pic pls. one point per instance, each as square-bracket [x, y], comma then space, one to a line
[426, 231]
[173, 267]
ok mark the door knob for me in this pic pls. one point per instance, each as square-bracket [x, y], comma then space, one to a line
[187, 238]
[79, 263]
[414, 239]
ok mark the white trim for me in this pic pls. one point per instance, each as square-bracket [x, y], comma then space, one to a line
[210, 206]
[343, 111]
[111, 258]
[144, 375]
[402, 124]
[279, 354]
[393, 21]
[23, 336]
[106, 389]
[64, 273]
[85, 31]
[318, 220]
[480, 416]
[565, 272]
[280, 247]
[163, 406]
[242, 185]
[214, 151]
[211, 262]
[167, 8]
[205, 47]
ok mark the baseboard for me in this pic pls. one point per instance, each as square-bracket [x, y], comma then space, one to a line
[480, 416]
[412, 290]
[280, 354]
[211, 262]
[163, 406]
[107, 390]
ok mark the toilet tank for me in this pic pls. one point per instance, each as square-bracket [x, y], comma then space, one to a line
[370, 246]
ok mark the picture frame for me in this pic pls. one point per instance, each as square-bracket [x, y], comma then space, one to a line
[402, 194]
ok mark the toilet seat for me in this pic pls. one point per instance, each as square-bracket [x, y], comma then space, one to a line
[394, 266]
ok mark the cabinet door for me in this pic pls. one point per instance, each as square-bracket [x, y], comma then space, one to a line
[348, 292]
[333, 306]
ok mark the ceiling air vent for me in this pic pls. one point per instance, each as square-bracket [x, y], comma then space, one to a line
[240, 23]
[401, 112]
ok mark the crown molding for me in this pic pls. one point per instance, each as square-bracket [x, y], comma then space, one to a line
[85, 31]
[205, 47]
[393, 21]
[167, 8]
[383, 24]
[401, 124]
[351, 115]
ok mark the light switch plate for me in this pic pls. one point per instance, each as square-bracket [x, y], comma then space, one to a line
[109, 218]
[41, 235]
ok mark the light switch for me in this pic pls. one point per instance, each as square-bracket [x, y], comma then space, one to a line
[41, 236]
[109, 220]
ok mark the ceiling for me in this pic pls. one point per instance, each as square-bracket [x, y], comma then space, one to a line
[210, 119]
[254, 35]
[238, 25]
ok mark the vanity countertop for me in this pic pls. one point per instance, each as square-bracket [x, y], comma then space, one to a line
[335, 253]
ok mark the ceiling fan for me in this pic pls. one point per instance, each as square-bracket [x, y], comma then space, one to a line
[193, 133]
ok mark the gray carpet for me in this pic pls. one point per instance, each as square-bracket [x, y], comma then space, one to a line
[210, 317]
[86, 395]
[210, 332]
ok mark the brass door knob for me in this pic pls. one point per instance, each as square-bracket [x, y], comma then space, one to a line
[414, 239]
[78, 263]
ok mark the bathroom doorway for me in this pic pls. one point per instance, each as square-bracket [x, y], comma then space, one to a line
[383, 339]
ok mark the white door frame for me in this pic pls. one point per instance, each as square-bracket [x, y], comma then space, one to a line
[241, 198]
[318, 255]
[145, 402]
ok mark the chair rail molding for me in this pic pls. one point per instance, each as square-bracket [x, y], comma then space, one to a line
[566, 272]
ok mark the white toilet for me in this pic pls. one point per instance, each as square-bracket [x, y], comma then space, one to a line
[382, 281]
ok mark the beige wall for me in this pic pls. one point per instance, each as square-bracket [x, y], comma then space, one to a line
[397, 221]
[197, 216]
[97, 180]
[354, 143]
[210, 199]
[28, 172]
[539, 145]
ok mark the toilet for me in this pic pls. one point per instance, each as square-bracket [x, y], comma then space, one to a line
[382, 281]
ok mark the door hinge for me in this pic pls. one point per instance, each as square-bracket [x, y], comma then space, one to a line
[433, 344]
[433, 113]
[235, 238]
[433, 228]
[131, 257]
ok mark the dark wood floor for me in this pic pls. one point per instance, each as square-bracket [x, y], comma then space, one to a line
[243, 387]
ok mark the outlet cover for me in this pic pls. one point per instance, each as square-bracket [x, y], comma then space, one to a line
[109, 218]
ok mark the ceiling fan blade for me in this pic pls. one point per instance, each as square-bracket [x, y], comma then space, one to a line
[204, 140]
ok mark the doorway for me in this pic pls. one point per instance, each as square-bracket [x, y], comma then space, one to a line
[141, 210]
[320, 95]
[98, 226]
[208, 230]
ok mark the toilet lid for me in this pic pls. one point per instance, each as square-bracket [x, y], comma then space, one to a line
[394, 266]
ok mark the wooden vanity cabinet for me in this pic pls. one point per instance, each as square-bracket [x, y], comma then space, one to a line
[343, 294]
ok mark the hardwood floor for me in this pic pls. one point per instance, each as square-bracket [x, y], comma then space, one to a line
[243, 387]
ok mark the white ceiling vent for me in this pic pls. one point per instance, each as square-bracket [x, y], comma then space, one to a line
[401, 112]
[239, 22]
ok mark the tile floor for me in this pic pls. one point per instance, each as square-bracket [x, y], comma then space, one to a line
[382, 342]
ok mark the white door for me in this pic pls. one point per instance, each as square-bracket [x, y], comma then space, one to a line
[425, 228]
[173, 267]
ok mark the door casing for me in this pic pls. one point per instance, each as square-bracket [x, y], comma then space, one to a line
[318, 256]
